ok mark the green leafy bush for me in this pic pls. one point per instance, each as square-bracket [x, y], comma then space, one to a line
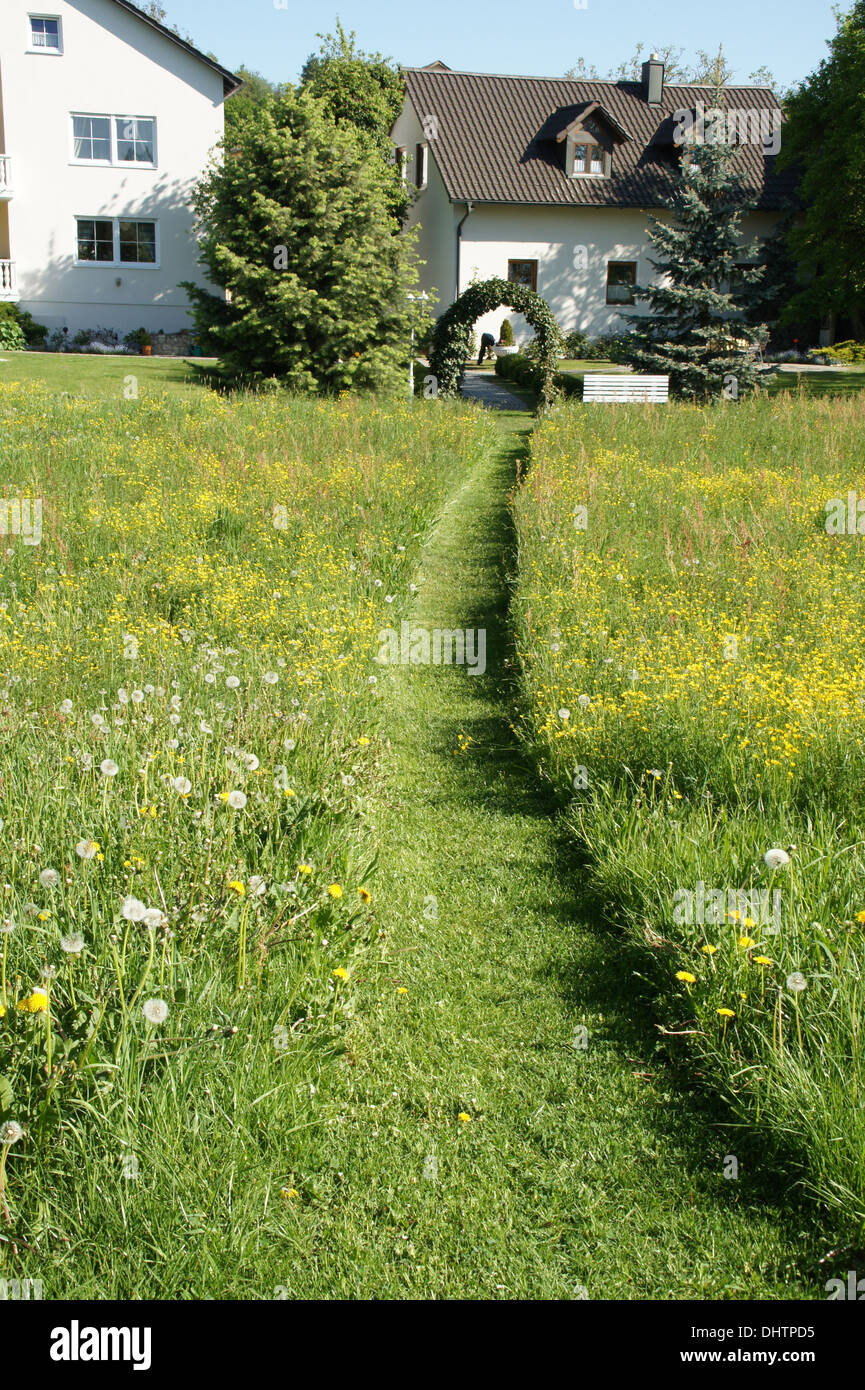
[11, 335]
[506, 334]
[33, 332]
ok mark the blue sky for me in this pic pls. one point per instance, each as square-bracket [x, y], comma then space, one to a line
[518, 36]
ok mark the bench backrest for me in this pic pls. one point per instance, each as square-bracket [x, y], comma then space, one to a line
[623, 386]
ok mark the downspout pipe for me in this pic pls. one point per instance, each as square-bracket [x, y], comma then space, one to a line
[469, 207]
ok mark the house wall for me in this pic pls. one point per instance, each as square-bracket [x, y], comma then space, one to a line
[433, 214]
[111, 63]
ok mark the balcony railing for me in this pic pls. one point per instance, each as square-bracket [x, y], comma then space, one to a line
[5, 176]
[7, 280]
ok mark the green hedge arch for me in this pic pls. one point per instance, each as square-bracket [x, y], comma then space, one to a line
[452, 333]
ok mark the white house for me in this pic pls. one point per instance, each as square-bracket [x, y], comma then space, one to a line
[107, 120]
[549, 181]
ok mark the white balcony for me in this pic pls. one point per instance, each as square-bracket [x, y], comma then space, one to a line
[5, 177]
[7, 280]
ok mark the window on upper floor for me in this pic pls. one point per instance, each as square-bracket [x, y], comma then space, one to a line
[116, 241]
[590, 158]
[400, 155]
[114, 140]
[46, 33]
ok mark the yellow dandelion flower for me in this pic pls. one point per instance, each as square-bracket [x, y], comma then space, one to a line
[746, 942]
[35, 1003]
[402, 990]
[464, 1118]
[860, 916]
[726, 1013]
[341, 973]
[363, 741]
[762, 960]
[304, 869]
[364, 895]
[708, 950]
[686, 977]
[238, 887]
[335, 890]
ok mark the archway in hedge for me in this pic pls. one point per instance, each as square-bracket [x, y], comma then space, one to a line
[452, 333]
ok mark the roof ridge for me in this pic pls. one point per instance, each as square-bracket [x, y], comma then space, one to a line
[606, 81]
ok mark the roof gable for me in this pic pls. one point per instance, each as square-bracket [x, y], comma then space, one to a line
[494, 133]
[230, 82]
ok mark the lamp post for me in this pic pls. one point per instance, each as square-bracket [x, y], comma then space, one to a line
[412, 297]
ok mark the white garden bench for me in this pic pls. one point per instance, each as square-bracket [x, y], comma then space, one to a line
[624, 386]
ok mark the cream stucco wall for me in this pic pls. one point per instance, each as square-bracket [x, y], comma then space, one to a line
[111, 64]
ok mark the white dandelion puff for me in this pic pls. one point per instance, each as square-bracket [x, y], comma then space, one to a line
[86, 849]
[796, 982]
[108, 767]
[237, 800]
[232, 682]
[133, 909]
[182, 785]
[155, 1010]
[72, 944]
[49, 878]
[776, 858]
[10, 1133]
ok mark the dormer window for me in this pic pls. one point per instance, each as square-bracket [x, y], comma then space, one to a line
[589, 140]
[588, 157]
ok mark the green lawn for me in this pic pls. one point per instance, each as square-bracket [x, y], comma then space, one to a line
[103, 377]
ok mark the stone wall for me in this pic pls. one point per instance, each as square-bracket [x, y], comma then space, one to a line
[172, 344]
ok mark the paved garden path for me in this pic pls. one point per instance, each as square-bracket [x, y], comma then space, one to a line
[486, 388]
[474, 1147]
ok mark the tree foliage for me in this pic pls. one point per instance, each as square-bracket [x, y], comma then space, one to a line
[363, 91]
[695, 333]
[296, 224]
[704, 70]
[452, 333]
[825, 136]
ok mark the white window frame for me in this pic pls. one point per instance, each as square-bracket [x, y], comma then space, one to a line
[116, 263]
[44, 48]
[113, 162]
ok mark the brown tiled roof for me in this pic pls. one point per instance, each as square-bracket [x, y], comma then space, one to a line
[495, 140]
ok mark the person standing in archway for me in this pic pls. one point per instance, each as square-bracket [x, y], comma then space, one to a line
[487, 342]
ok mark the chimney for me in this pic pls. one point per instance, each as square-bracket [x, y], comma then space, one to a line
[653, 80]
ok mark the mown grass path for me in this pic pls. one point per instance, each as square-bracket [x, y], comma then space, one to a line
[581, 1169]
